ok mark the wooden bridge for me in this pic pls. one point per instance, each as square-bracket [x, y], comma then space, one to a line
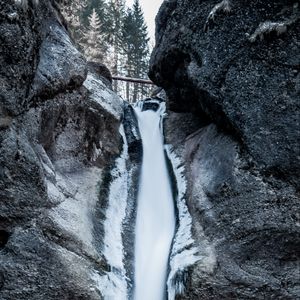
[133, 89]
[134, 80]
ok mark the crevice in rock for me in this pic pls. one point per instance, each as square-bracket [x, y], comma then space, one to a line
[4, 237]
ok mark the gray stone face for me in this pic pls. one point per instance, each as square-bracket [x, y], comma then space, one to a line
[246, 226]
[208, 63]
[61, 66]
[59, 135]
[231, 74]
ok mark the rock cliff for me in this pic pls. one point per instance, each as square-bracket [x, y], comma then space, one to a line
[59, 135]
[231, 73]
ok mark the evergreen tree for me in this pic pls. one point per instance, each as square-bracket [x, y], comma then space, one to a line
[141, 42]
[94, 43]
[135, 47]
[128, 42]
[100, 7]
[127, 49]
[115, 18]
[108, 33]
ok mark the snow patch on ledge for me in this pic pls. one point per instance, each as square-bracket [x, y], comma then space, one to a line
[184, 252]
[113, 285]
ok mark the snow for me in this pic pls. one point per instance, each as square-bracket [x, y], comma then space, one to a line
[184, 251]
[22, 3]
[109, 286]
[55, 196]
[266, 28]
[223, 6]
[77, 197]
[113, 284]
[46, 162]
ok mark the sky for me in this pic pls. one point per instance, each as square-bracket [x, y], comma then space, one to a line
[150, 9]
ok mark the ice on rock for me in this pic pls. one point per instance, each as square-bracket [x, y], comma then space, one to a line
[184, 253]
[113, 285]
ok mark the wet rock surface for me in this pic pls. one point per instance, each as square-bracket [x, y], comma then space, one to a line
[233, 95]
[58, 137]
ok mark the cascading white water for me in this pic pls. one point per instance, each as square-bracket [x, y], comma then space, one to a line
[155, 221]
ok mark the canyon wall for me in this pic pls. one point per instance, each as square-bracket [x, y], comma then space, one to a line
[59, 136]
[231, 73]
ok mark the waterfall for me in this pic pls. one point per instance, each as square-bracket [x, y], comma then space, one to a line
[155, 220]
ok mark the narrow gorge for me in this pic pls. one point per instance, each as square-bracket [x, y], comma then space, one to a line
[190, 194]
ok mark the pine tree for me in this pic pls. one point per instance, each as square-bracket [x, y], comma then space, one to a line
[128, 42]
[141, 42]
[115, 15]
[100, 7]
[127, 49]
[94, 43]
[135, 47]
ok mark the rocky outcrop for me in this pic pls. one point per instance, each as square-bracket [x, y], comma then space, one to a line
[231, 73]
[59, 135]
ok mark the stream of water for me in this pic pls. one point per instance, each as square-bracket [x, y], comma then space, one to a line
[155, 221]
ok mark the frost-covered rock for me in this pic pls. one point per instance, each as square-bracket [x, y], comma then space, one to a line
[184, 253]
[55, 158]
[235, 131]
[61, 66]
[105, 97]
[231, 81]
